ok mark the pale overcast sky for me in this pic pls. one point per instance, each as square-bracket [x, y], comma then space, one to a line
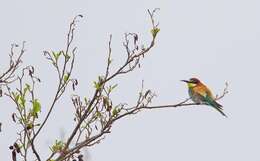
[216, 41]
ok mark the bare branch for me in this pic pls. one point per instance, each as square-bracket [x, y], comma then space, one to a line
[63, 77]
[7, 77]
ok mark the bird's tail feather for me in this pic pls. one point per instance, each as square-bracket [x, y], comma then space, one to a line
[220, 110]
[217, 106]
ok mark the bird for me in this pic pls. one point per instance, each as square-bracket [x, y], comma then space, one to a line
[201, 94]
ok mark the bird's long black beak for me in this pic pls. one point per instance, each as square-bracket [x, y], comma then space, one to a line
[185, 81]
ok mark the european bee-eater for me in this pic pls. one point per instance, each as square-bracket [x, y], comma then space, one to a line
[200, 93]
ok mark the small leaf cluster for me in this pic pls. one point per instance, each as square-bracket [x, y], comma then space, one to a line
[57, 146]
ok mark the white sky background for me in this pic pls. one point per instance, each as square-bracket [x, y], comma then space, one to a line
[216, 41]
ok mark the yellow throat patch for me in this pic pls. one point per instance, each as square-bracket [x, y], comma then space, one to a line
[191, 85]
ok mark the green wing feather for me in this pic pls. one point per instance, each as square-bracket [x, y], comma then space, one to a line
[210, 101]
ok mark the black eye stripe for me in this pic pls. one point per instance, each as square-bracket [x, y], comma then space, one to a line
[193, 81]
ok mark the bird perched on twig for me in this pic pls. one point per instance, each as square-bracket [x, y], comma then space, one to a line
[201, 94]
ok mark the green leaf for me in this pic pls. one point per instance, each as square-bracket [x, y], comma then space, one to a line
[115, 111]
[97, 85]
[29, 126]
[15, 96]
[110, 61]
[113, 87]
[86, 100]
[21, 101]
[36, 107]
[27, 88]
[67, 57]
[58, 146]
[66, 77]
[98, 114]
[155, 31]
[56, 55]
